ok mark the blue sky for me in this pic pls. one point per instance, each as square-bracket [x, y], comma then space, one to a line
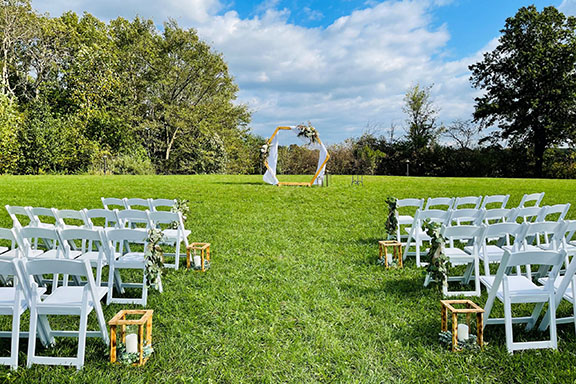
[343, 65]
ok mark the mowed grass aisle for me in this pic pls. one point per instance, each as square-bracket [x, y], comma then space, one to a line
[294, 293]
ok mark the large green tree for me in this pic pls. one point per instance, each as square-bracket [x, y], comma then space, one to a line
[529, 81]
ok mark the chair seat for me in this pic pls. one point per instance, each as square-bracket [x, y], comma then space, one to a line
[419, 232]
[131, 260]
[70, 297]
[53, 253]
[528, 247]
[3, 249]
[567, 294]
[13, 253]
[93, 257]
[519, 286]
[458, 256]
[7, 298]
[494, 253]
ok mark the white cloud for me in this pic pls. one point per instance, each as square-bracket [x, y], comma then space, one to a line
[339, 77]
[568, 7]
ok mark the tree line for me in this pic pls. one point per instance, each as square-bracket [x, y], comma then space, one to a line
[78, 95]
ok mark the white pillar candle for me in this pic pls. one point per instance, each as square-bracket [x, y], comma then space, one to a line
[389, 258]
[132, 343]
[197, 262]
[462, 332]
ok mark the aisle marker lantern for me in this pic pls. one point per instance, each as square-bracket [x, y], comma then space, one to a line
[272, 155]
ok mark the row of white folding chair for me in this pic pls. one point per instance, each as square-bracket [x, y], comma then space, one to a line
[128, 218]
[137, 203]
[477, 202]
[63, 300]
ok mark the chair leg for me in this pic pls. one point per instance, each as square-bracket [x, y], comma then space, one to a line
[508, 325]
[535, 315]
[418, 243]
[32, 336]
[177, 254]
[82, 337]
[15, 339]
[144, 290]
[553, 334]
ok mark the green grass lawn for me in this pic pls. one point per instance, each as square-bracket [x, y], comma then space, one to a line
[294, 293]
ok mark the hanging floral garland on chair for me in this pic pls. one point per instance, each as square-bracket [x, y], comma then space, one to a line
[154, 258]
[392, 219]
[437, 260]
[308, 132]
[182, 207]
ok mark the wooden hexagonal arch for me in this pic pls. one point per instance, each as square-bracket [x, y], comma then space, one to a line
[319, 170]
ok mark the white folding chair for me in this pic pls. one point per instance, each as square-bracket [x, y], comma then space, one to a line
[568, 241]
[417, 234]
[534, 198]
[70, 218]
[100, 218]
[42, 217]
[406, 219]
[457, 256]
[519, 289]
[118, 240]
[20, 215]
[137, 203]
[172, 236]
[167, 204]
[64, 301]
[13, 302]
[472, 202]
[113, 203]
[134, 218]
[433, 202]
[92, 247]
[499, 200]
[492, 253]
[469, 216]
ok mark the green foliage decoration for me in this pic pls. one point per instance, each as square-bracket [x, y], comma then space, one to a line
[437, 260]
[154, 258]
[392, 219]
[127, 358]
[182, 207]
[308, 132]
[470, 344]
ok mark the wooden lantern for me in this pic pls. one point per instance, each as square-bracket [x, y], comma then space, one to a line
[469, 308]
[204, 249]
[396, 251]
[145, 321]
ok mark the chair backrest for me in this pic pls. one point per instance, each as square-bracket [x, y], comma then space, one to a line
[418, 203]
[545, 259]
[434, 215]
[537, 233]
[499, 200]
[466, 215]
[526, 215]
[69, 218]
[109, 217]
[553, 212]
[532, 200]
[117, 238]
[569, 231]
[7, 268]
[467, 202]
[163, 217]
[503, 231]
[113, 202]
[496, 215]
[20, 215]
[162, 203]
[42, 216]
[131, 217]
[28, 237]
[463, 232]
[9, 235]
[439, 201]
[138, 203]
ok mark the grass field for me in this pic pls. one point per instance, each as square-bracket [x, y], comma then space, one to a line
[294, 293]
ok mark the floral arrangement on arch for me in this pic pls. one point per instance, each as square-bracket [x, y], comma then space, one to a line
[265, 151]
[308, 132]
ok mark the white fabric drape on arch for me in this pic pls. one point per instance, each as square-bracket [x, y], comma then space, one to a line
[270, 175]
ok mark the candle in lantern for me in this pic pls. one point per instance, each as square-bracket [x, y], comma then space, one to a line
[462, 332]
[197, 262]
[132, 343]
